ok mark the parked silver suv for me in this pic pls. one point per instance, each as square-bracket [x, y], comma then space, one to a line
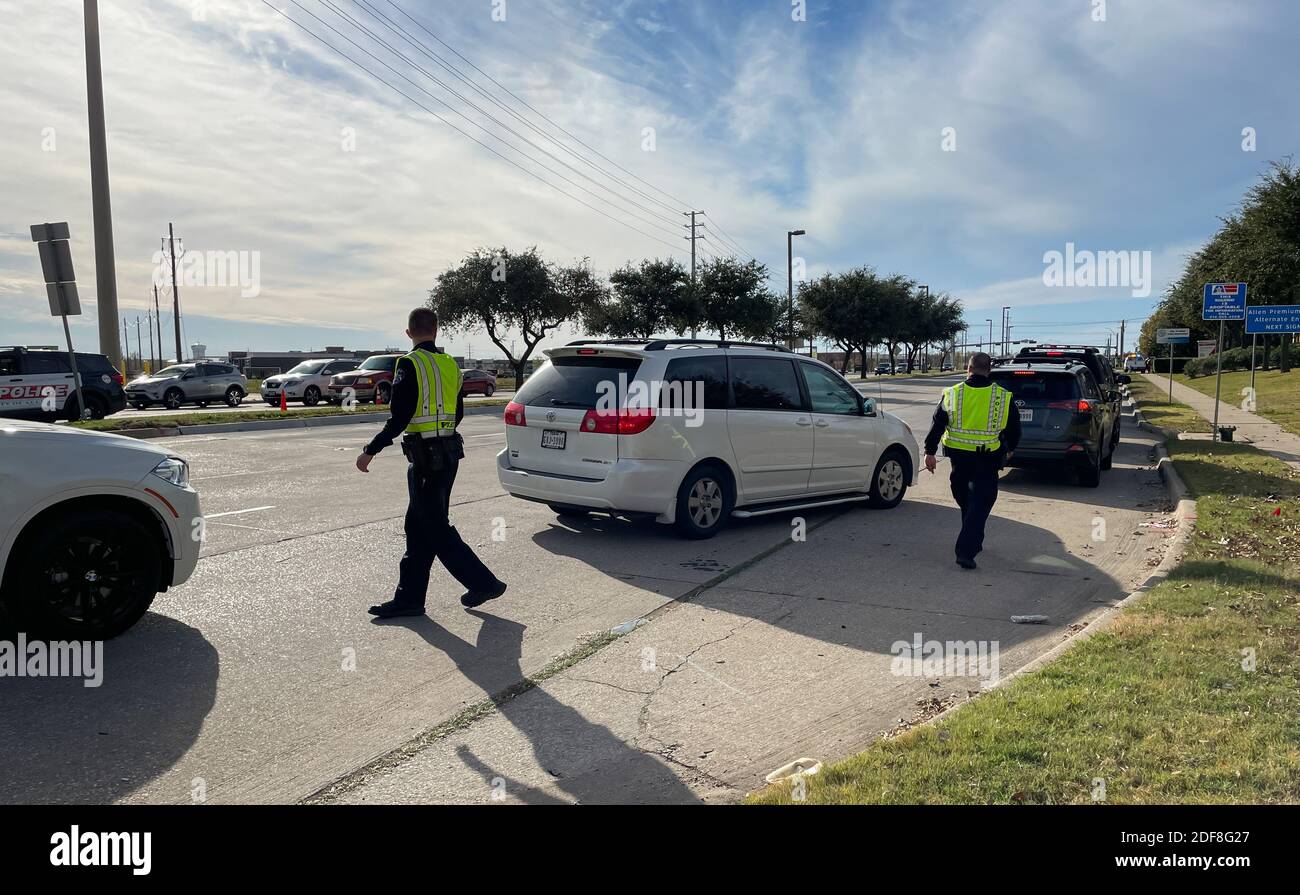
[201, 383]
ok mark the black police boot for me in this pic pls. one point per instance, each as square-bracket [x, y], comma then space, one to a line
[392, 609]
[473, 598]
[966, 563]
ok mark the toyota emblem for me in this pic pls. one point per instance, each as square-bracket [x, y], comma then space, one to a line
[550, 416]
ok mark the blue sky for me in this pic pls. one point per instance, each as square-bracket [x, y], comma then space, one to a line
[1115, 135]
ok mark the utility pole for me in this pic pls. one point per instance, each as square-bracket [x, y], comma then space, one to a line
[1121, 338]
[176, 296]
[101, 206]
[153, 358]
[692, 237]
[126, 348]
[990, 322]
[139, 350]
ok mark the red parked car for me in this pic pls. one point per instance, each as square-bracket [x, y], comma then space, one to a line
[478, 382]
[372, 381]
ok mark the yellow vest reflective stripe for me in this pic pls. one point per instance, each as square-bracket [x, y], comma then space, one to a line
[439, 380]
[976, 417]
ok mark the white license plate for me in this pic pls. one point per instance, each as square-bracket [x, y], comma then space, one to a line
[553, 438]
[1026, 416]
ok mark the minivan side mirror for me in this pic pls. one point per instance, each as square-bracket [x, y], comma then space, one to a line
[868, 407]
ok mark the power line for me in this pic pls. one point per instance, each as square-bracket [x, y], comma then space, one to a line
[453, 69]
[453, 109]
[724, 233]
[401, 32]
[544, 117]
[463, 133]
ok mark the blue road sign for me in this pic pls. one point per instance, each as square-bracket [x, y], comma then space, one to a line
[1224, 301]
[1263, 319]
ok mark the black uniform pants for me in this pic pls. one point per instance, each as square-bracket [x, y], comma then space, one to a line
[974, 481]
[430, 535]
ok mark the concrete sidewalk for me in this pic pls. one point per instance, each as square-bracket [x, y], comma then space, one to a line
[1264, 434]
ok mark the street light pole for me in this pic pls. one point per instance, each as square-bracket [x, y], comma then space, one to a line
[789, 267]
[990, 322]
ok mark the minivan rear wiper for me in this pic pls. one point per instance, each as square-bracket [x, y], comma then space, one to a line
[560, 402]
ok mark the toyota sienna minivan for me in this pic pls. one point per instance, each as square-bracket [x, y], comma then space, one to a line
[692, 432]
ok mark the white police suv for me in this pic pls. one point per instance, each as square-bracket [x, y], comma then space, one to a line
[694, 431]
[92, 527]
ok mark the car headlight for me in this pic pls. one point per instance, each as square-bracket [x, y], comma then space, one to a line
[173, 470]
[365, 380]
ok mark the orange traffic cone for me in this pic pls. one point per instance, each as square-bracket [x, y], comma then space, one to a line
[284, 402]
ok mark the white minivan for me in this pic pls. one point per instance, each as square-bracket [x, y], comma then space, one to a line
[693, 431]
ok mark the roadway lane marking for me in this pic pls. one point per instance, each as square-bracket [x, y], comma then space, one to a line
[237, 512]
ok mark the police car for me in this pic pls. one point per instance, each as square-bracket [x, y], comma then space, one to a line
[37, 383]
[92, 527]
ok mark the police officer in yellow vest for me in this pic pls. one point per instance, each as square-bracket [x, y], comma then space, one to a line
[979, 427]
[427, 406]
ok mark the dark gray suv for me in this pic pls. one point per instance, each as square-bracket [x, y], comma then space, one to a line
[1065, 420]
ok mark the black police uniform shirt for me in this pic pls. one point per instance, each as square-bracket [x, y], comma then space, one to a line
[404, 396]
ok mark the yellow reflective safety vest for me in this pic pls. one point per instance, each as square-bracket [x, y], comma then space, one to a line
[439, 379]
[976, 417]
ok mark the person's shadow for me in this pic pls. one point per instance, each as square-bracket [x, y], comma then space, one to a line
[586, 761]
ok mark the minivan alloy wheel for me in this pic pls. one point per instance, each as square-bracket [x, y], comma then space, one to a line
[705, 503]
[889, 481]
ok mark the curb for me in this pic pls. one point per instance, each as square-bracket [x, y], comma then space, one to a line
[309, 422]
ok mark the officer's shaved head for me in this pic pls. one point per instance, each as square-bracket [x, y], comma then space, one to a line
[980, 364]
[422, 322]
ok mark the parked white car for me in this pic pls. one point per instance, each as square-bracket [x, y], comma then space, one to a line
[693, 432]
[92, 527]
[309, 382]
[1136, 364]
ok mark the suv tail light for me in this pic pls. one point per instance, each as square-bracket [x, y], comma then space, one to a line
[618, 422]
[515, 414]
[119, 378]
[1079, 406]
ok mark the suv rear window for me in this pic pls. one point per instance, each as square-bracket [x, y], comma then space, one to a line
[575, 381]
[1032, 385]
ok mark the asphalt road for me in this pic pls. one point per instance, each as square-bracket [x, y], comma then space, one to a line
[263, 679]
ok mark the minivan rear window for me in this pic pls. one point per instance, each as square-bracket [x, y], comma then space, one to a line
[1031, 385]
[576, 381]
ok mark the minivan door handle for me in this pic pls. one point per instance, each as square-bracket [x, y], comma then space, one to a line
[803, 422]
[822, 424]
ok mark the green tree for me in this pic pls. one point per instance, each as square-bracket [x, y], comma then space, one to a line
[644, 300]
[731, 298]
[504, 293]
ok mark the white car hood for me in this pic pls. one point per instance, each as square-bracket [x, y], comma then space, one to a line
[68, 437]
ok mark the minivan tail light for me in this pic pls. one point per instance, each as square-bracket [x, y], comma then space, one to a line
[618, 422]
[515, 414]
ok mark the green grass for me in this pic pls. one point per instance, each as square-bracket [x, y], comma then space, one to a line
[1159, 705]
[1277, 395]
[204, 419]
[1157, 410]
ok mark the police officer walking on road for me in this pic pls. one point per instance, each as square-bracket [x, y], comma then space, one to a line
[979, 428]
[426, 388]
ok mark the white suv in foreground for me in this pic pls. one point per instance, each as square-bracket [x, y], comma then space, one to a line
[92, 527]
[693, 432]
